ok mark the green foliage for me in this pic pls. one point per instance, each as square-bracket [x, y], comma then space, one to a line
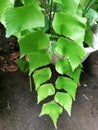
[68, 5]
[25, 2]
[72, 26]
[71, 50]
[21, 18]
[27, 47]
[88, 37]
[45, 91]
[53, 110]
[38, 59]
[66, 84]
[64, 67]
[23, 65]
[3, 6]
[64, 100]
[51, 31]
[44, 75]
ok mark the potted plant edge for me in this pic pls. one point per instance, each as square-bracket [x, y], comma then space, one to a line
[61, 32]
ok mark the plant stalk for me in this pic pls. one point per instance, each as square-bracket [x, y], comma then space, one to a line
[50, 17]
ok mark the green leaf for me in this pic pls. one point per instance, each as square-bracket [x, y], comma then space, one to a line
[3, 5]
[96, 7]
[41, 76]
[38, 59]
[63, 67]
[72, 51]
[66, 84]
[92, 15]
[69, 5]
[53, 110]
[24, 33]
[88, 36]
[23, 65]
[25, 2]
[64, 100]
[33, 42]
[58, 1]
[21, 18]
[45, 91]
[72, 26]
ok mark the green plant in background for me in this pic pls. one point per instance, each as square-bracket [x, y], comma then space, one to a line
[51, 31]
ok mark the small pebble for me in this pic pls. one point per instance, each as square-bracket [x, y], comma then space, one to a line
[85, 85]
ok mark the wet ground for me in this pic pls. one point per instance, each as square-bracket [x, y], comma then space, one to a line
[19, 109]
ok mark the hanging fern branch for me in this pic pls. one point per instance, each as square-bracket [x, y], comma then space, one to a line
[63, 33]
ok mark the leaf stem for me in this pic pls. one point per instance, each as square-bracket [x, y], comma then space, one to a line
[50, 17]
[30, 81]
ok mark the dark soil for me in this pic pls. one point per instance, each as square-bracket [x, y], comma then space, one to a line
[9, 51]
[19, 109]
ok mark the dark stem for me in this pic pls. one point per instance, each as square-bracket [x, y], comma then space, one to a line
[60, 35]
[50, 17]
[43, 3]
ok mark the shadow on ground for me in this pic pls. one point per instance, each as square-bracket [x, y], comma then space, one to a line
[19, 111]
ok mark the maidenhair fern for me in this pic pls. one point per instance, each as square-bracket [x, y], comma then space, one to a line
[50, 31]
